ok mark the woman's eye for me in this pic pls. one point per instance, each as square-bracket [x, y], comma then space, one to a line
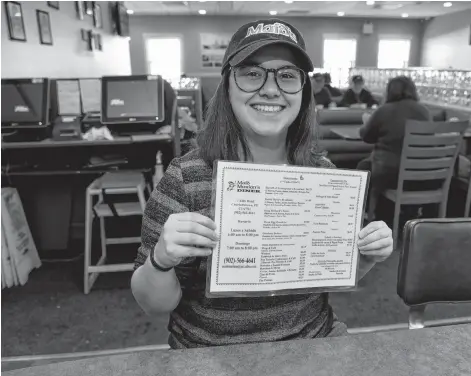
[253, 74]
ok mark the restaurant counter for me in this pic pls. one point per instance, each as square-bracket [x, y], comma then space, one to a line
[440, 351]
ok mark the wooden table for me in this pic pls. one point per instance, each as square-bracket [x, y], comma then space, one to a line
[347, 132]
[442, 351]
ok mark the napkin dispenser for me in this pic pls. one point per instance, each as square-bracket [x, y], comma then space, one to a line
[67, 128]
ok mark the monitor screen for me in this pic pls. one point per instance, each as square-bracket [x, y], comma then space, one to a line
[25, 102]
[133, 99]
[68, 97]
[90, 92]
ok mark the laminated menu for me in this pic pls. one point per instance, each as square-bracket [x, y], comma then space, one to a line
[285, 229]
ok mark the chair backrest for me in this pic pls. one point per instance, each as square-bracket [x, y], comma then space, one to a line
[434, 265]
[429, 151]
[435, 261]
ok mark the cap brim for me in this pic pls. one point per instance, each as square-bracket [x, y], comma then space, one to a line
[250, 49]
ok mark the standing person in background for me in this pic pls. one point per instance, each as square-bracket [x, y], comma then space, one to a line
[385, 128]
[321, 94]
[334, 92]
[357, 96]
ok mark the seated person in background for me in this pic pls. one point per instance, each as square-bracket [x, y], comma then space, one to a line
[321, 94]
[385, 128]
[357, 96]
[334, 92]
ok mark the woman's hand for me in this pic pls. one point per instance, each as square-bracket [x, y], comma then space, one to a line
[185, 235]
[375, 241]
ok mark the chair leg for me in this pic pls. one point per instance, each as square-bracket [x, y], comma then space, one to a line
[442, 208]
[88, 242]
[416, 317]
[103, 237]
[397, 215]
[142, 199]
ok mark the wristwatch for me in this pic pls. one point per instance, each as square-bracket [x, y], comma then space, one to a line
[154, 263]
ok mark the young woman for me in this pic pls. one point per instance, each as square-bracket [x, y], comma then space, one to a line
[385, 128]
[262, 112]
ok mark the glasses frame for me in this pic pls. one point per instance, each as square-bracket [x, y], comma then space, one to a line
[267, 71]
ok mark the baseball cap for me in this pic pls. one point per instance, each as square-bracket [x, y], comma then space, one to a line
[357, 79]
[255, 35]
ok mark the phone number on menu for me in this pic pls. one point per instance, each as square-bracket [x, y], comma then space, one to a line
[239, 260]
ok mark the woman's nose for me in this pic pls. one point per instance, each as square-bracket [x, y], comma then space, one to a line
[270, 88]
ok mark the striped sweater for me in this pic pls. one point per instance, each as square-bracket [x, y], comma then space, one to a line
[199, 321]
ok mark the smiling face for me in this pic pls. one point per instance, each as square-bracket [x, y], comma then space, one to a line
[267, 112]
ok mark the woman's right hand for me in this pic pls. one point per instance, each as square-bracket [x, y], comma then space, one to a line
[185, 235]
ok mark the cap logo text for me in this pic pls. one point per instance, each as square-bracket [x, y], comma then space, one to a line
[276, 28]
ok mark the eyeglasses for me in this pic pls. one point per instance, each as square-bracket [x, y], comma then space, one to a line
[251, 78]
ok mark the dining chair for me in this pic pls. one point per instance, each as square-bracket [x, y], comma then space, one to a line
[429, 153]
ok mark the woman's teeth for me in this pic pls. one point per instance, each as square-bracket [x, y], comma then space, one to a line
[267, 108]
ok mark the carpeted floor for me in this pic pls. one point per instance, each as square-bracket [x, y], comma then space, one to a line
[50, 314]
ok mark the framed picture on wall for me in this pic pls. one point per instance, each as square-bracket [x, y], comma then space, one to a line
[80, 9]
[16, 26]
[44, 26]
[97, 16]
[53, 4]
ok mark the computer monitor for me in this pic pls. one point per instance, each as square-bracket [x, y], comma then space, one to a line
[25, 102]
[132, 99]
[68, 97]
[90, 93]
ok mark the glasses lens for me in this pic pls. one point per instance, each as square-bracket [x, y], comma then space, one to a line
[250, 78]
[290, 80]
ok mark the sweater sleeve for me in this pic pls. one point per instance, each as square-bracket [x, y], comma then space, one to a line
[370, 131]
[370, 99]
[168, 197]
[347, 99]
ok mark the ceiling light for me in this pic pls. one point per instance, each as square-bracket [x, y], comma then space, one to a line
[404, 15]
[130, 11]
[288, 1]
[340, 14]
[202, 11]
[447, 4]
[370, 2]
[273, 12]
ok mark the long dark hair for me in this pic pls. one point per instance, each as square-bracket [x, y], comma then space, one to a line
[400, 88]
[222, 134]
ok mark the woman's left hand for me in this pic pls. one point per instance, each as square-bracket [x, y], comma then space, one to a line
[375, 241]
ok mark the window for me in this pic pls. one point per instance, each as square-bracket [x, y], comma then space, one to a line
[393, 53]
[164, 57]
[339, 57]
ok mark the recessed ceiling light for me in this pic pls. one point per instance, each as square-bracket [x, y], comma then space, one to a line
[273, 12]
[447, 4]
[202, 11]
[288, 1]
[340, 14]
[370, 2]
[404, 15]
[130, 11]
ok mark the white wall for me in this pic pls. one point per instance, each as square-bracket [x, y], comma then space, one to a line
[446, 41]
[68, 56]
[313, 30]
